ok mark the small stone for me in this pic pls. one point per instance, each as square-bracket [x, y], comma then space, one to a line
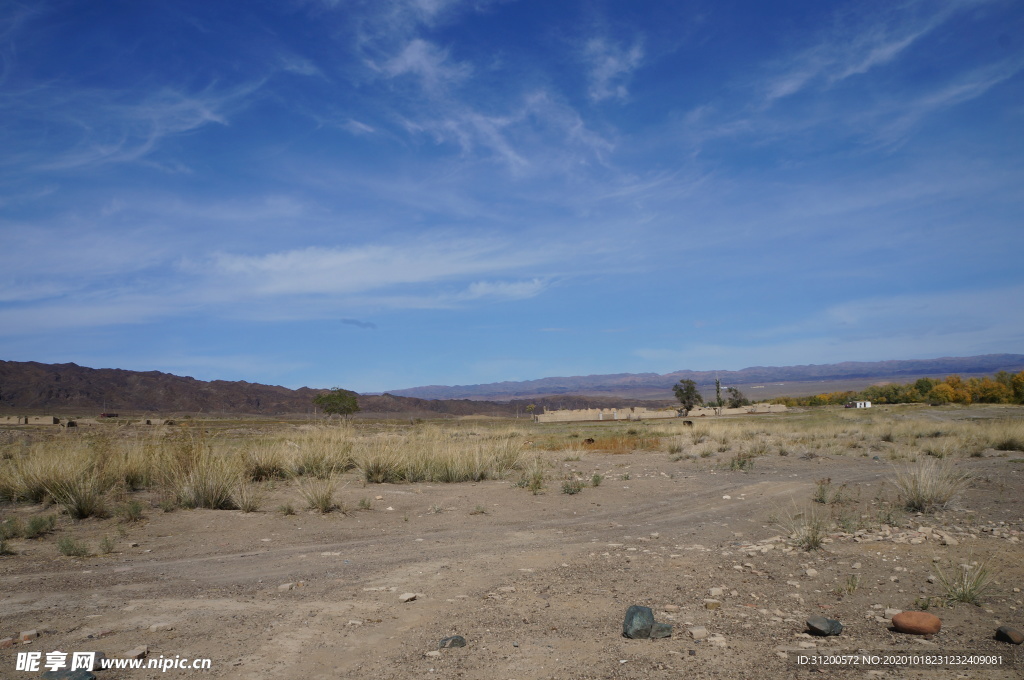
[6, 643]
[889, 613]
[286, 586]
[819, 625]
[408, 597]
[354, 622]
[379, 498]
[661, 630]
[452, 641]
[670, 608]
[433, 653]
[698, 632]
[716, 592]
[28, 635]
[917, 623]
[1010, 634]
[157, 627]
[811, 573]
[77, 674]
[712, 604]
[638, 622]
[856, 565]
[137, 653]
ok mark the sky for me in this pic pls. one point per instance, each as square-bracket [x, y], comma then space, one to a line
[380, 194]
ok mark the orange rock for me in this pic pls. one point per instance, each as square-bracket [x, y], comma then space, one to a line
[917, 623]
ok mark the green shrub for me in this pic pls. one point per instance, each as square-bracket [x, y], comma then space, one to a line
[967, 584]
[131, 511]
[572, 486]
[72, 548]
[40, 525]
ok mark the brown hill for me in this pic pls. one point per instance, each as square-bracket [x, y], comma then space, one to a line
[65, 388]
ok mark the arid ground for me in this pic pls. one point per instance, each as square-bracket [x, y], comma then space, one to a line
[537, 580]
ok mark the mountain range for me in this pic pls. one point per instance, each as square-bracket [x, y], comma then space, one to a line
[797, 380]
[68, 388]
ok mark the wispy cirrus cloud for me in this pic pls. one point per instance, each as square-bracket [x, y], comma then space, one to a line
[857, 44]
[610, 66]
[63, 128]
[428, 62]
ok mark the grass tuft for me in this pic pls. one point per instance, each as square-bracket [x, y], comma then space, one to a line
[930, 485]
[967, 584]
[319, 494]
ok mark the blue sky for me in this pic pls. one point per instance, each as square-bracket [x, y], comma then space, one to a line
[380, 194]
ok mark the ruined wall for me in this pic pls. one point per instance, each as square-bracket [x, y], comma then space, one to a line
[632, 413]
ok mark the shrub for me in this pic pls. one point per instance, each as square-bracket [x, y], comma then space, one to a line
[930, 485]
[4, 548]
[208, 484]
[131, 511]
[572, 486]
[286, 509]
[742, 461]
[40, 526]
[596, 480]
[807, 527]
[967, 584]
[247, 497]
[319, 493]
[69, 547]
[81, 493]
[11, 528]
[265, 462]
[107, 545]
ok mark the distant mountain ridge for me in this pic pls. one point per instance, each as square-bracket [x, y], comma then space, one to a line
[30, 387]
[621, 384]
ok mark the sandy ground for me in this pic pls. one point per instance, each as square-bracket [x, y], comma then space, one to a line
[537, 584]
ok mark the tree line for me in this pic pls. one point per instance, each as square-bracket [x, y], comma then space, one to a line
[1001, 388]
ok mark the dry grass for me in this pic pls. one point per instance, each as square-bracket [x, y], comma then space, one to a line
[930, 485]
[967, 584]
[319, 493]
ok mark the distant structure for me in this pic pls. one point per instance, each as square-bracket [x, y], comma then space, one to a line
[721, 411]
[858, 404]
[631, 413]
[643, 413]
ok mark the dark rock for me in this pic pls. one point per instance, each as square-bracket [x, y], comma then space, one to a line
[77, 674]
[661, 630]
[819, 625]
[453, 641]
[1010, 634]
[917, 623]
[638, 622]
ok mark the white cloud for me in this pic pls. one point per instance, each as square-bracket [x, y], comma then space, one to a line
[857, 45]
[430, 63]
[610, 67]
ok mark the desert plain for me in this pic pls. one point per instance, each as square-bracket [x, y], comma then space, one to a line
[344, 550]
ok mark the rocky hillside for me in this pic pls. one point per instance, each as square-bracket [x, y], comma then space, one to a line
[35, 387]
